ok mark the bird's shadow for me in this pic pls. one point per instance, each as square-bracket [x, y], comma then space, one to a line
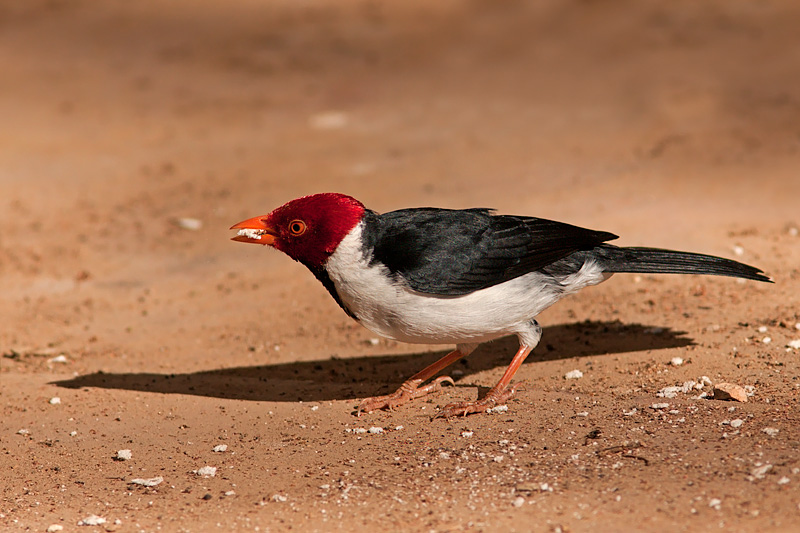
[340, 379]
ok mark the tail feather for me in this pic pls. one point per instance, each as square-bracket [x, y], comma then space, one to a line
[656, 261]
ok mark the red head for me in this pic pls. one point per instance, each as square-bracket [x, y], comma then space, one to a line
[307, 229]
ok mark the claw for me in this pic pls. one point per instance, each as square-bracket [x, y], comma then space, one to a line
[408, 391]
[493, 398]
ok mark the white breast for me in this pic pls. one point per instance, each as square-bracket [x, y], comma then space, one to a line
[392, 309]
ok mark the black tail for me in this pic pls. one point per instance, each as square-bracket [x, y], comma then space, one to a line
[657, 261]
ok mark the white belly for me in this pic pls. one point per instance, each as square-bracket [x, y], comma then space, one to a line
[392, 309]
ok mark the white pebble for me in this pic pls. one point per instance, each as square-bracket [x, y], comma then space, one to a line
[784, 480]
[63, 359]
[715, 503]
[398, 428]
[497, 409]
[23, 431]
[498, 458]
[206, 471]
[519, 501]
[794, 344]
[737, 423]
[375, 430]
[771, 431]
[55, 527]
[73, 433]
[738, 250]
[55, 400]
[123, 455]
[219, 448]
[573, 374]
[659, 406]
[92, 520]
[467, 434]
[315, 407]
[279, 498]
[676, 361]
[797, 326]
[761, 471]
[374, 341]
[151, 482]
[762, 329]
[192, 224]
[766, 340]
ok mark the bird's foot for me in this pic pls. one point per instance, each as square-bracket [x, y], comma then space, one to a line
[493, 398]
[408, 391]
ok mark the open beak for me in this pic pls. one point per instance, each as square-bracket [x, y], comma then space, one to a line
[255, 230]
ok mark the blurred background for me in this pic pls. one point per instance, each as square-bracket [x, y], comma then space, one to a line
[135, 133]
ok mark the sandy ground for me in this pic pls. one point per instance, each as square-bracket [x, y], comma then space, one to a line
[672, 124]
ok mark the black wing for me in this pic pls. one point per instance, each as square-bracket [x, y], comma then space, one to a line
[455, 252]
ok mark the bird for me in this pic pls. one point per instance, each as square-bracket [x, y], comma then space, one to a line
[454, 276]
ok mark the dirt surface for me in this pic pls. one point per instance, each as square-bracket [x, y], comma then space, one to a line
[671, 124]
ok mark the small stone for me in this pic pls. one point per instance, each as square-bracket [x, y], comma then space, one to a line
[123, 455]
[206, 471]
[192, 224]
[766, 340]
[519, 501]
[219, 448]
[55, 527]
[55, 400]
[573, 374]
[375, 430]
[762, 329]
[24, 431]
[59, 359]
[676, 361]
[497, 409]
[794, 344]
[92, 520]
[784, 480]
[729, 391]
[715, 503]
[657, 406]
[771, 431]
[467, 434]
[760, 472]
[151, 482]
[279, 498]
[737, 423]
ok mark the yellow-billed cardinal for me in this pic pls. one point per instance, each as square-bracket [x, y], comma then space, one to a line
[463, 277]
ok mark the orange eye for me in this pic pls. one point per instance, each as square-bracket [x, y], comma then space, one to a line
[297, 227]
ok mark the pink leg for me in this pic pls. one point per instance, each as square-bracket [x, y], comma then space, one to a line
[411, 389]
[498, 394]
